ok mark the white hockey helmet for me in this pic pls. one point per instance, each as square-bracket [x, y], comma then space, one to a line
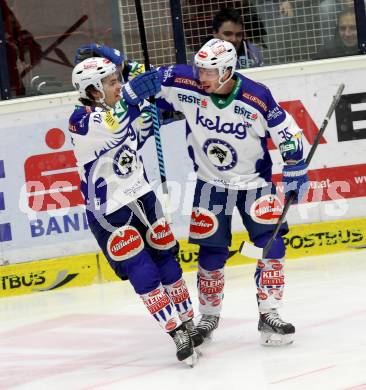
[217, 54]
[91, 72]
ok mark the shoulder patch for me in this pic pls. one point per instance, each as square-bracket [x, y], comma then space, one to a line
[255, 99]
[186, 81]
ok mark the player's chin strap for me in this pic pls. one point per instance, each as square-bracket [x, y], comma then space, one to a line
[222, 83]
[103, 103]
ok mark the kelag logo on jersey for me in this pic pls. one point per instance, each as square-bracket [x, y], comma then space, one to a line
[239, 130]
[220, 153]
[192, 99]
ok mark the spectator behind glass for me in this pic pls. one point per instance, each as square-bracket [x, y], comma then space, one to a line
[228, 25]
[328, 11]
[345, 41]
[292, 29]
[21, 49]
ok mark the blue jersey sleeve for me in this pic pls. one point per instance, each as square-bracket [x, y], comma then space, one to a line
[284, 130]
[79, 120]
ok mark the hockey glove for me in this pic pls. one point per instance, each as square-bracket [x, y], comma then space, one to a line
[141, 87]
[295, 180]
[95, 50]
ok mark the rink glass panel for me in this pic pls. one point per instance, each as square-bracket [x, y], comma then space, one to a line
[42, 36]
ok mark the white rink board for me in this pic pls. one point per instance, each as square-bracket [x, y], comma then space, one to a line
[25, 123]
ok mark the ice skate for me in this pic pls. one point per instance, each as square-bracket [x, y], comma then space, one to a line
[196, 337]
[274, 331]
[207, 324]
[184, 344]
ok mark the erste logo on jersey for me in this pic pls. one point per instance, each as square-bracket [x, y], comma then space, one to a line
[124, 243]
[125, 161]
[192, 99]
[220, 153]
[243, 111]
[161, 237]
[203, 223]
[267, 209]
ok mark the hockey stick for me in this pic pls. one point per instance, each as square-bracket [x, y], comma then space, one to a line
[154, 113]
[249, 250]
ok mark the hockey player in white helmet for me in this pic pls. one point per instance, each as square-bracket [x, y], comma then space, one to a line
[214, 66]
[123, 212]
[229, 119]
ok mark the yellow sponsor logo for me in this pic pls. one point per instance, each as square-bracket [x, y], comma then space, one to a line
[110, 120]
[302, 240]
[45, 275]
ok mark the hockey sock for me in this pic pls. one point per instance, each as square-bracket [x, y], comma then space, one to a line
[161, 307]
[179, 294]
[270, 283]
[210, 290]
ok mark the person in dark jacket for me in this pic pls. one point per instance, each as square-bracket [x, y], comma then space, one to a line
[345, 41]
[228, 25]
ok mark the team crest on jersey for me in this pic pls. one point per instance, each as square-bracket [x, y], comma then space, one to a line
[125, 161]
[163, 237]
[220, 153]
[203, 223]
[124, 243]
[267, 209]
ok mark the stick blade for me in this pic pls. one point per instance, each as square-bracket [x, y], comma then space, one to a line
[250, 250]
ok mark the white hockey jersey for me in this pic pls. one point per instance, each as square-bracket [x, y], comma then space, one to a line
[106, 150]
[227, 137]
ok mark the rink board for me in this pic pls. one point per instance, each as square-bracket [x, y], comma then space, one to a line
[73, 271]
[46, 275]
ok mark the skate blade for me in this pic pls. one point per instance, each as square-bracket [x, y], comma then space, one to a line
[208, 339]
[199, 349]
[275, 339]
[192, 360]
